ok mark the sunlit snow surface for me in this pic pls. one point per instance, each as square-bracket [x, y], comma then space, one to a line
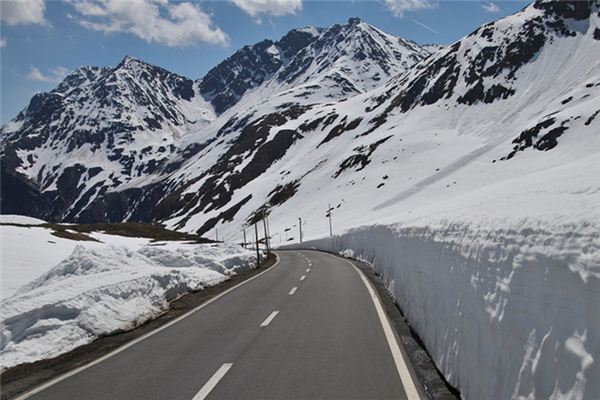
[71, 292]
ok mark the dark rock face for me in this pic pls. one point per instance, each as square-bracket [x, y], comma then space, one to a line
[341, 128]
[283, 193]
[361, 158]
[225, 84]
[531, 138]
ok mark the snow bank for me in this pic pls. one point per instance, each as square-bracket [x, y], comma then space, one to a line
[28, 252]
[97, 291]
[20, 220]
[505, 313]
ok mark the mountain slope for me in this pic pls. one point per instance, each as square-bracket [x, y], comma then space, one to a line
[125, 129]
[524, 84]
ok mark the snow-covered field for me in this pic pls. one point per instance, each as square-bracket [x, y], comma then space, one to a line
[59, 294]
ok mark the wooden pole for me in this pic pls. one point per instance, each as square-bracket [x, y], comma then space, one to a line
[266, 234]
[257, 250]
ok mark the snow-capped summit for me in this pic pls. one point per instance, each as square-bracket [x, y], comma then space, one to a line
[355, 57]
[312, 64]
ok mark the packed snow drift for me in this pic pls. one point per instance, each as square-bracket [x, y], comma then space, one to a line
[98, 288]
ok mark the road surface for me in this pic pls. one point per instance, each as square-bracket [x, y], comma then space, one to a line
[308, 328]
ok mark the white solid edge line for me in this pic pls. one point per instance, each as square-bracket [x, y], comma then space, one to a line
[135, 341]
[293, 290]
[408, 383]
[212, 382]
[303, 277]
[269, 318]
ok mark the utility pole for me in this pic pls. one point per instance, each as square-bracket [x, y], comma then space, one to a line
[244, 230]
[300, 226]
[266, 234]
[329, 210]
[256, 239]
[268, 231]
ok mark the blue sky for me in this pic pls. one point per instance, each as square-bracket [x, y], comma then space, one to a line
[42, 40]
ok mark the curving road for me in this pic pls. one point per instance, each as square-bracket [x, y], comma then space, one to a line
[308, 328]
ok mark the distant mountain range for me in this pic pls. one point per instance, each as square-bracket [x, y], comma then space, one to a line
[347, 114]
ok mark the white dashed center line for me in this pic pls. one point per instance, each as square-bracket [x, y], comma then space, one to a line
[269, 318]
[293, 291]
[212, 382]
[307, 269]
[303, 277]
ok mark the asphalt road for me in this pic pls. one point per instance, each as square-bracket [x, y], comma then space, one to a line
[308, 328]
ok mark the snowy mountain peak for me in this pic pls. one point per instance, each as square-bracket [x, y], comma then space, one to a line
[312, 63]
[348, 59]
[128, 59]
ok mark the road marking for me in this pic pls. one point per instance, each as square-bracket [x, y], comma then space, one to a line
[135, 341]
[307, 269]
[293, 291]
[212, 382]
[408, 383]
[303, 277]
[269, 318]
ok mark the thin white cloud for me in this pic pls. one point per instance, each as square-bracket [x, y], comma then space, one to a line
[175, 24]
[23, 12]
[491, 7]
[2, 42]
[399, 7]
[276, 8]
[424, 26]
[54, 75]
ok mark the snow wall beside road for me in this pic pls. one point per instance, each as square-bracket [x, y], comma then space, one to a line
[504, 313]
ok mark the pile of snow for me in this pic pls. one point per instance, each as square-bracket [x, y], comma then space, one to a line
[26, 252]
[101, 288]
